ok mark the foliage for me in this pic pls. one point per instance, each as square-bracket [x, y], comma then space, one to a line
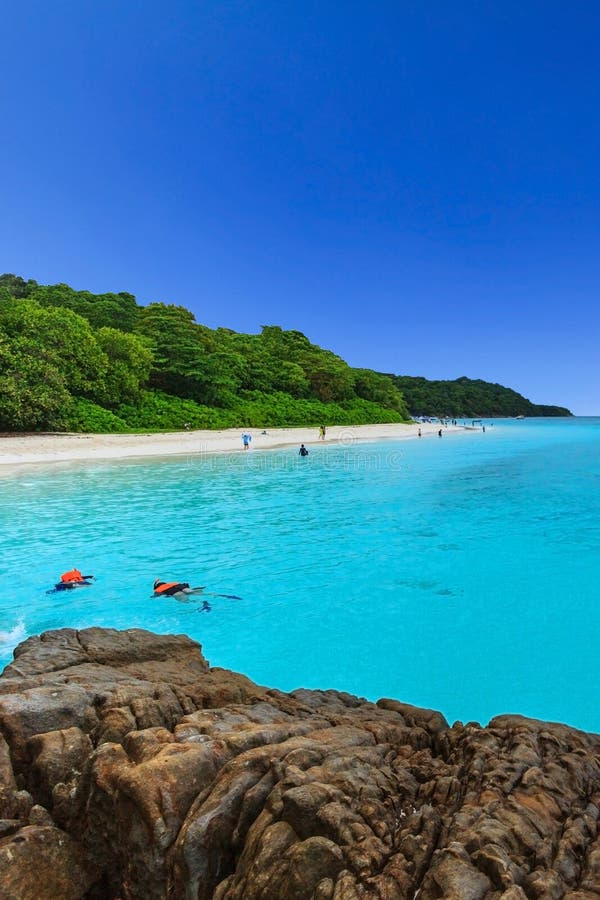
[99, 362]
[16, 286]
[33, 393]
[181, 363]
[113, 310]
[90, 418]
[379, 389]
[129, 363]
[58, 339]
[158, 411]
[467, 398]
[279, 409]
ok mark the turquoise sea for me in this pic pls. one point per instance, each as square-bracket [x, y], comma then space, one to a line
[459, 573]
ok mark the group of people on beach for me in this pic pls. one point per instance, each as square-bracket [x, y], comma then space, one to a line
[420, 433]
[247, 439]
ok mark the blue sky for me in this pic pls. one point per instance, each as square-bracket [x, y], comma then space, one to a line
[414, 185]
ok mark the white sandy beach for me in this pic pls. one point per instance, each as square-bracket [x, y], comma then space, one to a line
[47, 448]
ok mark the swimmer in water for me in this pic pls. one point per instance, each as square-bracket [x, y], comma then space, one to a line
[178, 589]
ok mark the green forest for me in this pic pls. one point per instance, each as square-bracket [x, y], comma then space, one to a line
[468, 398]
[77, 361]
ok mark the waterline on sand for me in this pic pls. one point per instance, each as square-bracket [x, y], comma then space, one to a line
[48, 448]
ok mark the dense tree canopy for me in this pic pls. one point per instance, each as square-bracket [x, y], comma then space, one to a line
[33, 392]
[60, 338]
[101, 362]
[114, 310]
[15, 286]
[468, 398]
[129, 362]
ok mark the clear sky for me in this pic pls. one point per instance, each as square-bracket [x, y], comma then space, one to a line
[414, 184]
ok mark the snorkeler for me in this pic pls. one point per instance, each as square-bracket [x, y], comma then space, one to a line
[174, 589]
[71, 579]
[181, 590]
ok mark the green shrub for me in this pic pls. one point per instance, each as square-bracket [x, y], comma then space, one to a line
[88, 417]
[162, 412]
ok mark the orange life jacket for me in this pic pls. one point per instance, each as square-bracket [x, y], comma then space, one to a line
[73, 575]
[161, 588]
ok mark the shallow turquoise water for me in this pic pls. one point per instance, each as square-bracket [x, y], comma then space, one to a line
[460, 573]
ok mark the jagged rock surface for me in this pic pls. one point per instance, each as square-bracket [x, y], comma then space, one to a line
[130, 769]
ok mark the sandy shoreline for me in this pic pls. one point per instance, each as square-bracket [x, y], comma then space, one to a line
[17, 450]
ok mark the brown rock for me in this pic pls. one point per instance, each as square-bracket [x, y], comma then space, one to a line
[56, 756]
[41, 863]
[130, 769]
[453, 874]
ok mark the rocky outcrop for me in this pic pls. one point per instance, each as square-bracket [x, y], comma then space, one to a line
[131, 769]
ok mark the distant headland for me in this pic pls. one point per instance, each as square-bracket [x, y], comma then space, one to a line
[74, 361]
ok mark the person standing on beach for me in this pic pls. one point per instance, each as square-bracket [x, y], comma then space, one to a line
[322, 432]
[420, 432]
[246, 439]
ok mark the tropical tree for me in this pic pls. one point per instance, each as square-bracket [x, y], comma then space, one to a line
[129, 364]
[379, 389]
[110, 310]
[33, 393]
[59, 339]
[17, 286]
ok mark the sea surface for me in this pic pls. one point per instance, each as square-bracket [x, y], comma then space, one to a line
[459, 573]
